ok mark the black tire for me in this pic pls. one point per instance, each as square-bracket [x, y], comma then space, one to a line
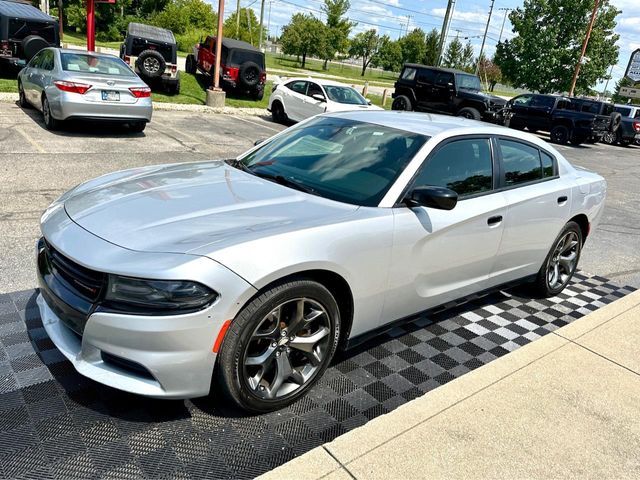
[625, 143]
[470, 113]
[231, 371]
[541, 285]
[151, 64]
[49, 122]
[402, 103]
[249, 75]
[190, 64]
[277, 113]
[257, 94]
[137, 127]
[560, 134]
[22, 99]
[173, 88]
[614, 122]
[578, 139]
[32, 44]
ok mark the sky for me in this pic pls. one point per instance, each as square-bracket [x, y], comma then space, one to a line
[394, 17]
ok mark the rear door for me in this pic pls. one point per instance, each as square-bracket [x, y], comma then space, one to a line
[519, 109]
[538, 206]
[27, 77]
[295, 101]
[42, 75]
[443, 92]
[425, 84]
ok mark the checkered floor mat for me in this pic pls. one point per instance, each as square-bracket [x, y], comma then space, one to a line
[55, 423]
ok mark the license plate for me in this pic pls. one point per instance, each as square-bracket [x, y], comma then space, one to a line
[110, 96]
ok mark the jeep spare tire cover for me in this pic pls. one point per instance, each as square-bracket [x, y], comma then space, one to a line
[32, 44]
[615, 121]
[151, 64]
[249, 74]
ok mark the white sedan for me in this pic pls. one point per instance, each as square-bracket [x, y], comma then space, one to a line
[300, 98]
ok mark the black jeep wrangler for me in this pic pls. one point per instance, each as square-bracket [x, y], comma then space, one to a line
[444, 90]
[152, 52]
[24, 31]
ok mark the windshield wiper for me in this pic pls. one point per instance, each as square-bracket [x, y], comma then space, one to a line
[239, 165]
[286, 181]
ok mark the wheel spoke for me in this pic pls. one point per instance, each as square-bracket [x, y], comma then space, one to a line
[306, 344]
[567, 263]
[274, 333]
[569, 245]
[297, 320]
[263, 359]
[283, 372]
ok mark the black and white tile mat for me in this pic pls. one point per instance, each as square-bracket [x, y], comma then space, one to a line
[54, 423]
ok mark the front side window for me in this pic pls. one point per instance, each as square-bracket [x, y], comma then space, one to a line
[409, 74]
[522, 101]
[346, 95]
[543, 102]
[314, 89]
[520, 162]
[468, 82]
[87, 63]
[464, 166]
[298, 86]
[344, 160]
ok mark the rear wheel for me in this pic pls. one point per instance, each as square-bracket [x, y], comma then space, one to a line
[190, 64]
[49, 122]
[401, 102]
[560, 134]
[279, 345]
[610, 138]
[137, 127]
[470, 113]
[277, 113]
[561, 262]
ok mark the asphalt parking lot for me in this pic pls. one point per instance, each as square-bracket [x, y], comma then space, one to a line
[37, 166]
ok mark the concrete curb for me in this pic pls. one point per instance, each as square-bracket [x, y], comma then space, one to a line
[8, 97]
[329, 460]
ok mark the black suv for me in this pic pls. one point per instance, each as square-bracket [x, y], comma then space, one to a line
[24, 31]
[444, 90]
[566, 119]
[242, 66]
[152, 52]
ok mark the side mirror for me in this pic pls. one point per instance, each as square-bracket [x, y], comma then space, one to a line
[368, 102]
[259, 141]
[430, 196]
[318, 96]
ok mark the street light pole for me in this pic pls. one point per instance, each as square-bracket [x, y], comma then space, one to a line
[216, 70]
[261, 22]
[443, 33]
[584, 47]
[484, 38]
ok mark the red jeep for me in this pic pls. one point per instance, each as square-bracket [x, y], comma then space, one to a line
[242, 66]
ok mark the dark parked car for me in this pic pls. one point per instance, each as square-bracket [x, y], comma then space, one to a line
[629, 132]
[152, 53]
[604, 111]
[24, 31]
[444, 90]
[242, 66]
[557, 115]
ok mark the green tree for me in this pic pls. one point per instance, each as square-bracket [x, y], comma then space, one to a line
[453, 54]
[467, 62]
[489, 72]
[431, 47]
[365, 45]
[389, 55]
[249, 26]
[302, 36]
[413, 46]
[338, 28]
[549, 35]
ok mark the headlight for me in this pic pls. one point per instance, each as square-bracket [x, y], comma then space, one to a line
[156, 296]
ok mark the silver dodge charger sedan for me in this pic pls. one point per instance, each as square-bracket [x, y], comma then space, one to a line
[74, 84]
[254, 271]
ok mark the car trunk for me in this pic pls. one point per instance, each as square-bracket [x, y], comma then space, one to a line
[106, 83]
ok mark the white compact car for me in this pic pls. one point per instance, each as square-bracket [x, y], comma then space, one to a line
[300, 98]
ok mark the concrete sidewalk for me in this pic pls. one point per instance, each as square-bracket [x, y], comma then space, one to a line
[564, 406]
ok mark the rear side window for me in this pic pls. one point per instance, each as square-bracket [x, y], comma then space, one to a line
[47, 60]
[464, 166]
[624, 111]
[444, 78]
[298, 86]
[408, 73]
[520, 162]
[426, 76]
[548, 169]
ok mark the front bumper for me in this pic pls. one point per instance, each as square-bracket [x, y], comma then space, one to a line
[71, 105]
[164, 356]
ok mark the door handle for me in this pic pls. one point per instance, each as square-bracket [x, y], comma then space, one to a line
[494, 220]
[562, 200]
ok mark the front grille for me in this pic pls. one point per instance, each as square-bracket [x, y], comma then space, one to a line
[83, 281]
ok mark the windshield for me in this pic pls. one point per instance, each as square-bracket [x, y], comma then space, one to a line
[346, 95]
[87, 63]
[340, 159]
[470, 82]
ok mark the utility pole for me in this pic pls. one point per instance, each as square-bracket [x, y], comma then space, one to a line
[445, 27]
[261, 23]
[606, 85]
[484, 38]
[216, 68]
[237, 18]
[504, 19]
[408, 21]
[584, 47]
[60, 19]
[269, 20]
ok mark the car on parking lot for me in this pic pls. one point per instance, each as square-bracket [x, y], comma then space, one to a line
[24, 31]
[255, 270]
[299, 98]
[242, 66]
[629, 132]
[565, 121]
[444, 90]
[80, 85]
[152, 53]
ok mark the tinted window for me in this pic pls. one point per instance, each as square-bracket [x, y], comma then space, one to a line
[408, 74]
[470, 82]
[314, 89]
[47, 60]
[522, 100]
[464, 166]
[624, 111]
[444, 78]
[344, 95]
[520, 162]
[238, 57]
[543, 102]
[20, 29]
[344, 160]
[426, 76]
[35, 61]
[547, 165]
[637, 113]
[87, 63]
[298, 86]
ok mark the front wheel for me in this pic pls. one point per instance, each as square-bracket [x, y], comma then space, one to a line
[561, 262]
[279, 345]
[401, 102]
[470, 113]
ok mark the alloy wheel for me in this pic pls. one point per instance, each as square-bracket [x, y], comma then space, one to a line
[151, 65]
[287, 348]
[563, 261]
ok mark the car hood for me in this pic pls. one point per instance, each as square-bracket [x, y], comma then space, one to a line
[495, 100]
[181, 208]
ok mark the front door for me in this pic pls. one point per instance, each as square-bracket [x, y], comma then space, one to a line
[314, 106]
[439, 256]
[519, 107]
[294, 103]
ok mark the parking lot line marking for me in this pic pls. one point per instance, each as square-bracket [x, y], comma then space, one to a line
[258, 124]
[33, 143]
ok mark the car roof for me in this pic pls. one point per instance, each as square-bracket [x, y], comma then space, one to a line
[439, 69]
[233, 43]
[151, 32]
[321, 81]
[23, 11]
